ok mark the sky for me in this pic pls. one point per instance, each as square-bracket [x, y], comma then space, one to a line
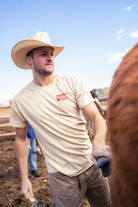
[96, 35]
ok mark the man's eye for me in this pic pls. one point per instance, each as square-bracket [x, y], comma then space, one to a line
[52, 54]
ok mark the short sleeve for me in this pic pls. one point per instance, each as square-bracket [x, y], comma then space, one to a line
[83, 96]
[17, 120]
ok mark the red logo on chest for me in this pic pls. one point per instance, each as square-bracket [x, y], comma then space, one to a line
[62, 97]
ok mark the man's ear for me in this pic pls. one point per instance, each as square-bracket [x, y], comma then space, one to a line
[29, 60]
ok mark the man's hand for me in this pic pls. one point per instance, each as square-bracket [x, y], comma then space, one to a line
[101, 156]
[100, 151]
[26, 189]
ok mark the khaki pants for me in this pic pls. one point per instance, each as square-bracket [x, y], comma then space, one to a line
[70, 191]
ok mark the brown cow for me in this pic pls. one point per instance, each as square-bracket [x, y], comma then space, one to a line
[122, 117]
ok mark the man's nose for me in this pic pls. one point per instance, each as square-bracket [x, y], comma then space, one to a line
[49, 57]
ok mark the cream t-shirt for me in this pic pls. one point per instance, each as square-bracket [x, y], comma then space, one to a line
[54, 112]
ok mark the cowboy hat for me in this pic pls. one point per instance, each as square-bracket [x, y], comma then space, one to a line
[22, 48]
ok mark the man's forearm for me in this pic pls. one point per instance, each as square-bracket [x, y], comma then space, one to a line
[21, 148]
[99, 127]
[99, 147]
[99, 131]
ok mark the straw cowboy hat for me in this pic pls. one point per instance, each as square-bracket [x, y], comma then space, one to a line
[21, 49]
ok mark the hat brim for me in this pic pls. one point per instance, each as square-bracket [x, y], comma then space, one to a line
[21, 49]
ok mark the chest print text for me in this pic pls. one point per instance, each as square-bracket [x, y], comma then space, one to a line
[62, 97]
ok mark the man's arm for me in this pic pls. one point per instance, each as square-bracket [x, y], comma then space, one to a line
[99, 131]
[21, 148]
[98, 123]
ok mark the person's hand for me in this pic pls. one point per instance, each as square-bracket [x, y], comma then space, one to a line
[101, 156]
[100, 151]
[26, 188]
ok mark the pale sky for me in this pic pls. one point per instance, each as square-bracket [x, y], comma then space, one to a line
[96, 35]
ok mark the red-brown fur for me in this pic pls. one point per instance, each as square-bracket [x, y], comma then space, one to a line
[122, 117]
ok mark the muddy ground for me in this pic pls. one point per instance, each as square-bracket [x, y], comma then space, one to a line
[10, 194]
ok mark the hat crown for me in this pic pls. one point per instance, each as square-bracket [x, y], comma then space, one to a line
[43, 37]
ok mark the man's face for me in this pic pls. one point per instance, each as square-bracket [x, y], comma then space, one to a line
[42, 60]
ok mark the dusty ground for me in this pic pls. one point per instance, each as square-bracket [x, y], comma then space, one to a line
[9, 175]
[10, 181]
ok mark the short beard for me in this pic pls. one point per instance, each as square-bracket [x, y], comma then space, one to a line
[42, 72]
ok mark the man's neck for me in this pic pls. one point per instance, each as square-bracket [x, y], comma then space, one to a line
[44, 80]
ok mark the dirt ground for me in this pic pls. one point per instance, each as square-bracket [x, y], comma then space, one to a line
[10, 194]
[10, 180]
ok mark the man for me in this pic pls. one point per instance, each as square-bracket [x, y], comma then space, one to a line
[54, 106]
[32, 156]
